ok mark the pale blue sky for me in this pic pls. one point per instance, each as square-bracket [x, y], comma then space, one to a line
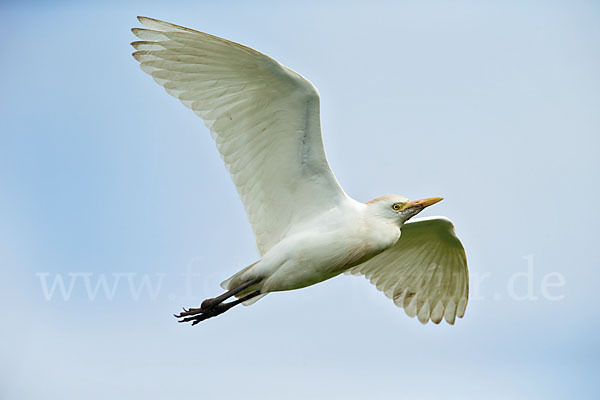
[492, 106]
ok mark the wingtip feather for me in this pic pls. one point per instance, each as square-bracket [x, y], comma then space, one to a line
[163, 26]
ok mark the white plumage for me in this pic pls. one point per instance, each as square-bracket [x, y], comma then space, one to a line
[265, 120]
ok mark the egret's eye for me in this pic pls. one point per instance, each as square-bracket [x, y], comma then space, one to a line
[397, 206]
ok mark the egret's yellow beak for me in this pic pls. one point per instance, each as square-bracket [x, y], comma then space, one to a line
[421, 204]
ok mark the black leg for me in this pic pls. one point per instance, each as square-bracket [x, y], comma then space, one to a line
[217, 309]
[209, 304]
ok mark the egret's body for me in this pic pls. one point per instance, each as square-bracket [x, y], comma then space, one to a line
[265, 120]
[329, 245]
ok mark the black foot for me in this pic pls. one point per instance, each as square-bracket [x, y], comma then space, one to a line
[204, 314]
[209, 309]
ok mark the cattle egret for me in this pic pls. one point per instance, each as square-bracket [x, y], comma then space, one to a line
[265, 120]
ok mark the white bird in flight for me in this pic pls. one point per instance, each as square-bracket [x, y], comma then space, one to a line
[265, 120]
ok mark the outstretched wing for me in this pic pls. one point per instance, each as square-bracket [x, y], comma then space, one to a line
[425, 272]
[263, 116]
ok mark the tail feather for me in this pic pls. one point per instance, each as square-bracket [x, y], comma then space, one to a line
[254, 299]
[236, 280]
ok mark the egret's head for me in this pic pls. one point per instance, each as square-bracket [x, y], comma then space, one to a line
[399, 208]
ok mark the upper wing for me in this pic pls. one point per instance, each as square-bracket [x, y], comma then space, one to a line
[425, 272]
[263, 116]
